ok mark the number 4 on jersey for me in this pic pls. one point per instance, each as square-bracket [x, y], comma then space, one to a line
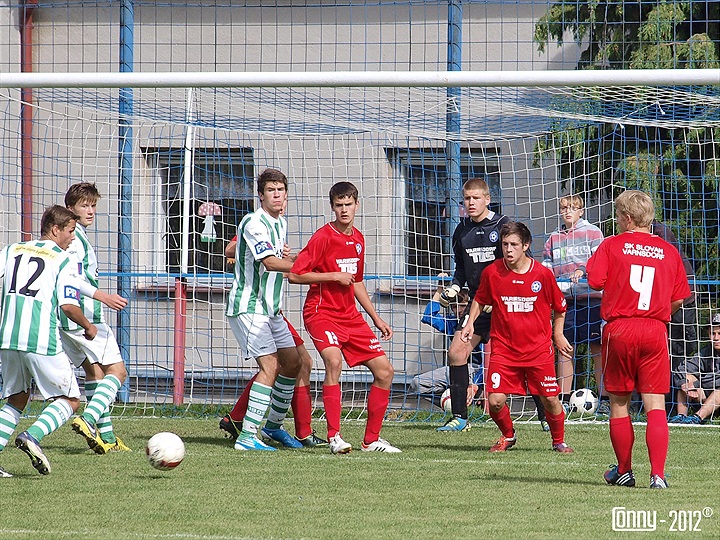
[641, 281]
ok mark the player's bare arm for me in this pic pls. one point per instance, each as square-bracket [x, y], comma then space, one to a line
[466, 333]
[362, 296]
[276, 264]
[75, 314]
[230, 249]
[343, 278]
[561, 342]
[113, 301]
[677, 304]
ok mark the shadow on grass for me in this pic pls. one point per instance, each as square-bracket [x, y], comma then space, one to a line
[494, 477]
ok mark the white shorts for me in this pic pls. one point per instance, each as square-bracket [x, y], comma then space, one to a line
[54, 375]
[260, 335]
[102, 350]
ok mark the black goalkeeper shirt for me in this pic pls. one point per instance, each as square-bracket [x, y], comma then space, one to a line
[475, 246]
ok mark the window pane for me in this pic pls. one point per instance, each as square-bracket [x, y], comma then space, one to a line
[427, 191]
[221, 176]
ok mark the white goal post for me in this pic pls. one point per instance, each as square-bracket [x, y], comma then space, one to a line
[289, 79]
[407, 139]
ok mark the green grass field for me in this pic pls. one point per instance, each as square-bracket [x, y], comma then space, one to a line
[441, 486]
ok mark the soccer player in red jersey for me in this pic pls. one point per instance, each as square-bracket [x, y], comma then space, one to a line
[521, 293]
[332, 264]
[645, 283]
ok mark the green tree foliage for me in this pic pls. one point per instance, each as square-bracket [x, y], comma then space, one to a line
[680, 166]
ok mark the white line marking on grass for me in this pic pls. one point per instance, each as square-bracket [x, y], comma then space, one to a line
[123, 534]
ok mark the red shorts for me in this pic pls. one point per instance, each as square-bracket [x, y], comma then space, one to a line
[635, 356]
[296, 337]
[538, 377]
[353, 337]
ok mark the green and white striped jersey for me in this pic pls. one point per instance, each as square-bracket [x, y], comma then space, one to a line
[87, 268]
[255, 289]
[37, 277]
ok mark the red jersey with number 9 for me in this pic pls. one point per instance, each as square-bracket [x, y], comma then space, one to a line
[641, 274]
[520, 326]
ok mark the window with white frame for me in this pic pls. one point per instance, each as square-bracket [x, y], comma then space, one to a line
[221, 185]
[428, 223]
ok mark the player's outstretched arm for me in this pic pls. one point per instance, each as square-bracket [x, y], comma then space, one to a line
[75, 314]
[113, 301]
[362, 296]
[343, 278]
[561, 342]
[466, 333]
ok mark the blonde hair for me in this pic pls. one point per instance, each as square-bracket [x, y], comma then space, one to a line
[573, 200]
[637, 205]
[476, 183]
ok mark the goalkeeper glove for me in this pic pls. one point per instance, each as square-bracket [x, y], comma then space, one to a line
[449, 295]
[487, 309]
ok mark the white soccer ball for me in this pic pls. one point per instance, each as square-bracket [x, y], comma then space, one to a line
[165, 451]
[445, 401]
[583, 401]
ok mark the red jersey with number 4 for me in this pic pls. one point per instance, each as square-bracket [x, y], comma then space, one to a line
[641, 274]
[522, 305]
[329, 250]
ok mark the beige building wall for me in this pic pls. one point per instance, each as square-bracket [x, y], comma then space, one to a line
[284, 37]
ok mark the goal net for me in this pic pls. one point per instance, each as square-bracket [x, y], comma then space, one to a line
[177, 172]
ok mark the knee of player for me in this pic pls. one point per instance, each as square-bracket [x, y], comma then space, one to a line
[496, 402]
[458, 353]
[73, 402]
[305, 359]
[118, 370]
[383, 372]
[414, 384]
[552, 404]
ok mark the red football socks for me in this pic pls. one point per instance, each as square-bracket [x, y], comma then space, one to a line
[657, 437]
[622, 437]
[504, 422]
[238, 412]
[378, 399]
[302, 411]
[557, 426]
[333, 408]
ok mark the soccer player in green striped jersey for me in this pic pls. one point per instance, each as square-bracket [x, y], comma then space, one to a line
[38, 280]
[254, 316]
[100, 358]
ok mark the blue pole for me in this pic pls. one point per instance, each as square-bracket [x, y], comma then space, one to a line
[125, 152]
[452, 119]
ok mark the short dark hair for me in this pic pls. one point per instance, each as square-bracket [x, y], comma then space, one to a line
[270, 175]
[55, 215]
[83, 191]
[516, 227]
[342, 190]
